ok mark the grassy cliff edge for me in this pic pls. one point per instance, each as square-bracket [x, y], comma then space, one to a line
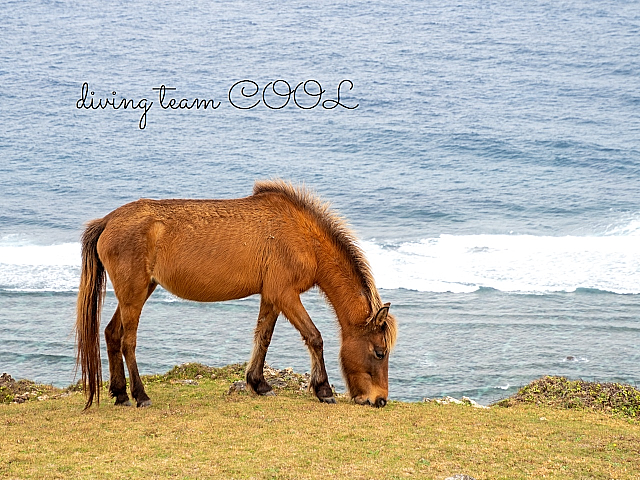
[204, 425]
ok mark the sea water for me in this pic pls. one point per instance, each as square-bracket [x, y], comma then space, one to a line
[486, 154]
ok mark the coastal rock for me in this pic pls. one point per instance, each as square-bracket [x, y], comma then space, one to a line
[286, 377]
[448, 400]
[473, 403]
[236, 387]
[21, 391]
[6, 380]
[444, 400]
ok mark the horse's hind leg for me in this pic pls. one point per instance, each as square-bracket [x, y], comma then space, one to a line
[130, 309]
[117, 380]
[262, 338]
[294, 310]
[113, 335]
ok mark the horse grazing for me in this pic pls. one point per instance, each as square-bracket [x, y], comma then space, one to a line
[279, 242]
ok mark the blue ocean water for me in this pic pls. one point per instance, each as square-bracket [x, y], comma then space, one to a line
[491, 168]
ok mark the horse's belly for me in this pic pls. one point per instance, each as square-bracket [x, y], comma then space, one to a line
[210, 281]
[208, 294]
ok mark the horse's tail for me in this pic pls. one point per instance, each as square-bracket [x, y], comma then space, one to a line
[90, 298]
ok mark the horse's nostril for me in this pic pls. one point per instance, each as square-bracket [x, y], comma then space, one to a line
[380, 402]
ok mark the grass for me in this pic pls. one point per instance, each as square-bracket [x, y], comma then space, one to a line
[196, 429]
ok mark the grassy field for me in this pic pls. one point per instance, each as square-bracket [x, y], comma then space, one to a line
[196, 429]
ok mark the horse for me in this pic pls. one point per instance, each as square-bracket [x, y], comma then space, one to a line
[279, 242]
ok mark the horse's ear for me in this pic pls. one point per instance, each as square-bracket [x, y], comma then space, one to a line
[381, 317]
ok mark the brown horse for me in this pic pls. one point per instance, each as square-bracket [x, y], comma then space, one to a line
[279, 242]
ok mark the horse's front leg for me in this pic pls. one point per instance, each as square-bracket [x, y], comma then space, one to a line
[296, 313]
[262, 338]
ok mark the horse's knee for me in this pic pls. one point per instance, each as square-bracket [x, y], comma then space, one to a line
[315, 342]
[262, 337]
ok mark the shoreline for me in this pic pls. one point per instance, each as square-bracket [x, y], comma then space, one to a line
[557, 392]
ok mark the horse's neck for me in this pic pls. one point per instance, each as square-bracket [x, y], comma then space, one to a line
[342, 287]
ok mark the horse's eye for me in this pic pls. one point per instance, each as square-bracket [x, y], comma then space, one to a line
[380, 353]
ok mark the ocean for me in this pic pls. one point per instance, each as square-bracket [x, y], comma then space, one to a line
[486, 154]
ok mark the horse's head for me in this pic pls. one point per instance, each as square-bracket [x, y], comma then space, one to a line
[364, 357]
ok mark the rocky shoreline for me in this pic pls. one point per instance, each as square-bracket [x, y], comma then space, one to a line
[450, 400]
[21, 391]
[557, 392]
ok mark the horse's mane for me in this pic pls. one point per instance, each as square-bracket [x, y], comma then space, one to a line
[334, 225]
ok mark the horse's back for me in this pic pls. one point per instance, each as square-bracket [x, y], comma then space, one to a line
[208, 250]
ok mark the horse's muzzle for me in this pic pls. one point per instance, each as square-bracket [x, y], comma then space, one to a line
[380, 402]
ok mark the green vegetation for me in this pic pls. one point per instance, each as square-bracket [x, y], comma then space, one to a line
[559, 392]
[201, 427]
[20, 391]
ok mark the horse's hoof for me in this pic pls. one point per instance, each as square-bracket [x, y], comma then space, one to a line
[260, 387]
[126, 403]
[327, 399]
[144, 403]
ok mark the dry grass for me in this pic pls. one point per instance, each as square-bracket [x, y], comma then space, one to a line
[199, 431]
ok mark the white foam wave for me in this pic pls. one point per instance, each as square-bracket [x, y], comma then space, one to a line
[448, 263]
[53, 268]
[629, 228]
[66, 254]
[509, 263]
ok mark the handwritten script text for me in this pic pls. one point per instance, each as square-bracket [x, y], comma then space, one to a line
[243, 95]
